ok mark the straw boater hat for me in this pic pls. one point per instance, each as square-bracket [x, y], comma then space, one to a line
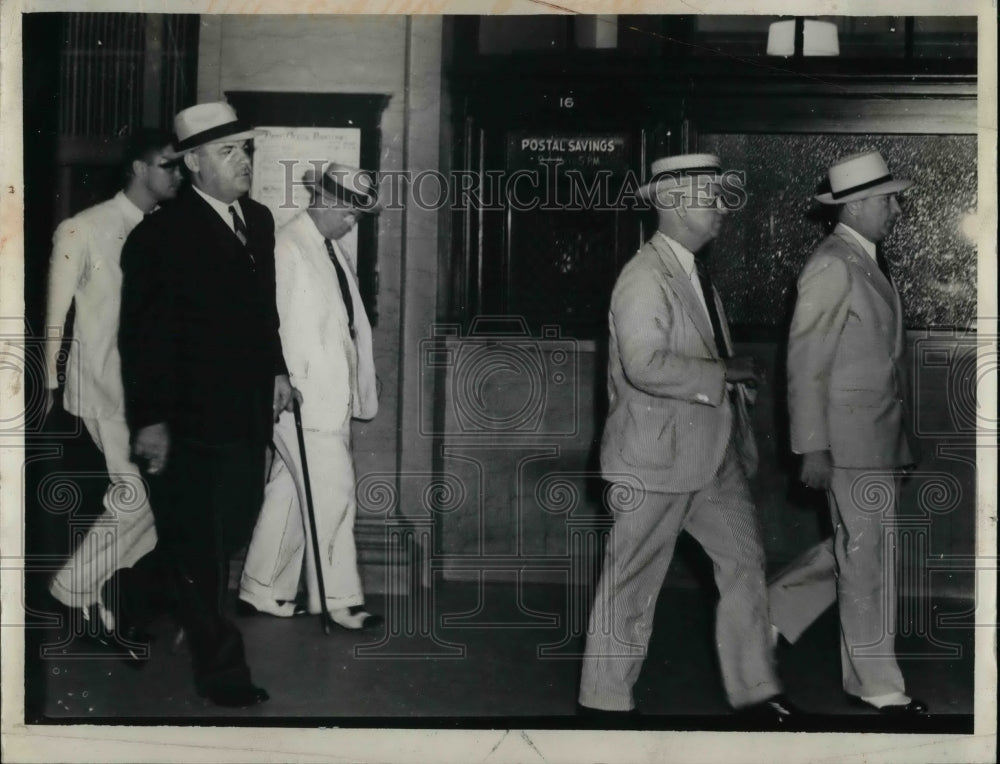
[860, 176]
[677, 171]
[206, 123]
[345, 184]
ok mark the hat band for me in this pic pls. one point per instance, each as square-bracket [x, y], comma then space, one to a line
[861, 187]
[219, 131]
[687, 172]
[363, 202]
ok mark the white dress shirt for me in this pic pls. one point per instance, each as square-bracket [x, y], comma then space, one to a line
[686, 259]
[866, 245]
[86, 269]
[222, 208]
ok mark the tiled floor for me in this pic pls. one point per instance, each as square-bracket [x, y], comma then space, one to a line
[475, 657]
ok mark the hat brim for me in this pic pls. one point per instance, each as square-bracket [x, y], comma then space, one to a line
[243, 135]
[365, 202]
[369, 206]
[889, 187]
[648, 190]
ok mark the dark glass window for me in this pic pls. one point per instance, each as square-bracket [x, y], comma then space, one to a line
[761, 249]
[869, 36]
[501, 35]
[944, 37]
[734, 35]
[642, 35]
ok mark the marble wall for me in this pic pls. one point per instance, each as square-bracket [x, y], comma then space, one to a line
[761, 250]
[500, 506]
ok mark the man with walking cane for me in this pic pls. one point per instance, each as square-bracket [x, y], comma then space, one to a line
[327, 343]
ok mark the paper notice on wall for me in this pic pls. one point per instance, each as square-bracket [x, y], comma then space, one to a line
[283, 154]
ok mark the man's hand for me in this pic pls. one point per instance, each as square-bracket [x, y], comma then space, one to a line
[744, 369]
[284, 395]
[817, 469]
[153, 444]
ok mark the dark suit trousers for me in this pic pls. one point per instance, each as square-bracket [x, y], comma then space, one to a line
[205, 504]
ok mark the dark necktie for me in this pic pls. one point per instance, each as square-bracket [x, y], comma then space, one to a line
[240, 229]
[713, 314]
[713, 317]
[345, 288]
[883, 264]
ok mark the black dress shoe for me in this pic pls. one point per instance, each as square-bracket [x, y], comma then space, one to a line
[179, 641]
[369, 621]
[93, 627]
[775, 712]
[372, 621]
[601, 715]
[135, 641]
[234, 696]
[913, 708]
[128, 642]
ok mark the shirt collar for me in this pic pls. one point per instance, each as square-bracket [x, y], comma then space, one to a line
[866, 245]
[133, 215]
[311, 230]
[684, 255]
[221, 207]
[316, 235]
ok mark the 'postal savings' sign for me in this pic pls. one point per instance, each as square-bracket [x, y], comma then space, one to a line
[572, 151]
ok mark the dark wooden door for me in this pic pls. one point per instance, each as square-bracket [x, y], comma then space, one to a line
[556, 215]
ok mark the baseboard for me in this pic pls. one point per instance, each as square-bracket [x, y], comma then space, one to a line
[382, 574]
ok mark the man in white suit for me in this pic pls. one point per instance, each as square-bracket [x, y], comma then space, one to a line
[85, 271]
[327, 342]
[848, 403]
[678, 428]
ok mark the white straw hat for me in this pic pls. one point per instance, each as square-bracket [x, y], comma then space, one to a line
[670, 172]
[346, 184]
[206, 123]
[860, 176]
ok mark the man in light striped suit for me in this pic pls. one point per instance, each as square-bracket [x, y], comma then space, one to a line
[848, 405]
[678, 427]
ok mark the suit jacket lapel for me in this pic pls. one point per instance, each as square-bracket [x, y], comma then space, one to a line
[680, 283]
[255, 226]
[863, 262]
[209, 222]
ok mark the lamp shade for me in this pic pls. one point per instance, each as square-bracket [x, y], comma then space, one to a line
[596, 32]
[819, 38]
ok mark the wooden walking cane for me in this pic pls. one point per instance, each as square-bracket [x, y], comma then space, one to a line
[324, 613]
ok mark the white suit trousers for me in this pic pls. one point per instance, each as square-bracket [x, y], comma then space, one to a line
[123, 534]
[857, 569]
[282, 538]
[723, 519]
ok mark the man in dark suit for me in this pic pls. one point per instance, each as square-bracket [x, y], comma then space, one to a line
[204, 379]
[678, 440]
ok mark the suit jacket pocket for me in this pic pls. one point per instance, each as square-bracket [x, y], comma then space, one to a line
[649, 436]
